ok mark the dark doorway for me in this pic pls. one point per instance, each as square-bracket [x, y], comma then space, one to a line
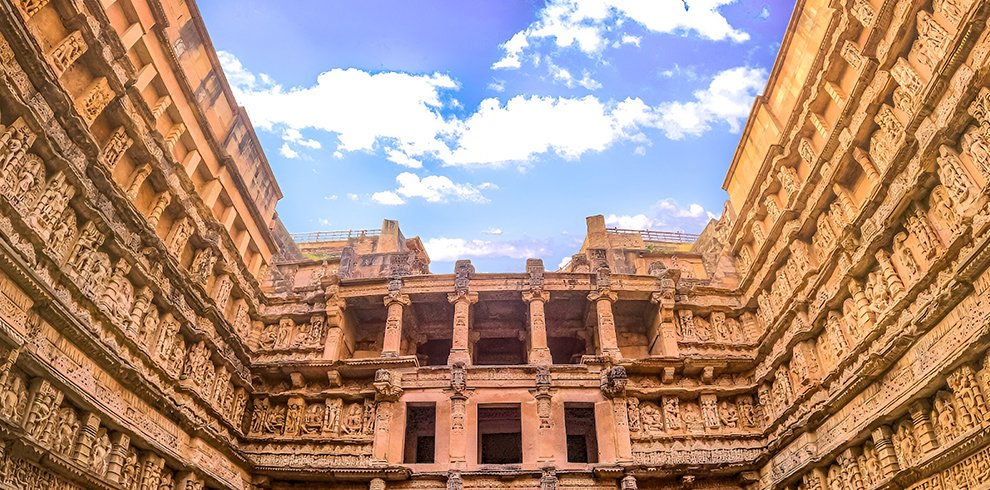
[566, 350]
[499, 352]
[499, 434]
[582, 439]
[421, 433]
[434, 352]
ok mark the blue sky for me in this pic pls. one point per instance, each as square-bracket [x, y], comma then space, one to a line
[492, 128]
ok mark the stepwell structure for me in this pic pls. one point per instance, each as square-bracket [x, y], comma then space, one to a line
[160, 330]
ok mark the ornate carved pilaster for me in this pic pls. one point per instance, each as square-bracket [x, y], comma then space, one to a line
[539, 352]
[663, 335]
[395, 303]
[459, 351]
[335, 307]
[120, 442]
[885, 451]
[607, 342]
[924, 431]
[388, 390]
[89, 426]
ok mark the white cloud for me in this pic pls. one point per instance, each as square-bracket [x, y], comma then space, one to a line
[590, 25]
[398, 157]
[765, 13]
[287, 151]
[449, 249]
[497, 86]
[352, 196]
[665, 215]
[432, 188]
[403, 117]
[361, 108]
[492, 231]
[387, 198]
[528, 126]
[332, 197]
[727, 99]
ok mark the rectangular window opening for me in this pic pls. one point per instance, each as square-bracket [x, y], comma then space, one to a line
[421, 433]
[582, 439]
[499, 434]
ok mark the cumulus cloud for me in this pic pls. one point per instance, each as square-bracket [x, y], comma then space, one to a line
[492, 231]
[449, 249]
[591, 25]
[727, 99]
[432, 188]
[388, 198]
[665, 215]
[408, 118]
[361, 108]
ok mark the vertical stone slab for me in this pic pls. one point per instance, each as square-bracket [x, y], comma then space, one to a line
[539, 352]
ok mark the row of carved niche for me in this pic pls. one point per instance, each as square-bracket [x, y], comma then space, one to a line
[890, 129]
[956, 410]
[46, 208]
[671, 415]
[945, 207]
[330, 417]
[116, 150]
[930, 225]
[715, 327]
[78, 437]
[288, 334]
[868, 304]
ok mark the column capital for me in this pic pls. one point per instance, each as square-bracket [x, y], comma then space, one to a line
[603, 295]
[462, 296]
[396, 298]
[536, 295]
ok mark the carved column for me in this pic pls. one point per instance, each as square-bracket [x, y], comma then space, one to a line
[663, 341]
[458, 412]
[539, 353]
[607, 343]
[462, 301]
[387, 391]
[115, 462]
[89, 425]
[885, 451]
[140, 175]
[893, 281]
[335, 325]
[376, 484]
[613, 386]
[160, 204]
[863, 311]
[395, 304]
[544, 406]
[924, 431]
[847, 460]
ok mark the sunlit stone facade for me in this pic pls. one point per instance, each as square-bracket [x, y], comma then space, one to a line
[160, 329]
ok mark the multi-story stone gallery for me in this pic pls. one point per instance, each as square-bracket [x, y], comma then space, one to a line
[161, 330]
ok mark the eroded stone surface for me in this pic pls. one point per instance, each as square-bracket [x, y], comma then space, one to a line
[161, 330]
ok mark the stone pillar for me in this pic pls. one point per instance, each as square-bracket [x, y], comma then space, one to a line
[151, 471]
[160, 204]
[395, 304]
[462, 301]
[89, 425]
[863, 312]
[924, 431]
[663, 335]
[608, 345]
[335, 326]
[388, 390]
[885, 451]
[847, 460]
[118, 452]
[623, 444]
[539, 352]
[376, 484]
[140, 175]
[894, 284]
